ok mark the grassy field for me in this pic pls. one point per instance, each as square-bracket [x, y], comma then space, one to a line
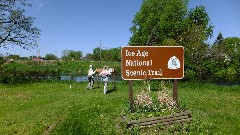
[54, 108]
[218, 106]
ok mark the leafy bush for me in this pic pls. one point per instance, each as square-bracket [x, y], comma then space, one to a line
[14, 73]
[189, 74]
[147, 105]
[32, 63]
[228, 75]
[143, 102]
[28, 71]
[166, 100]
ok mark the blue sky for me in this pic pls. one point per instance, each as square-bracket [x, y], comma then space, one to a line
[80, 24]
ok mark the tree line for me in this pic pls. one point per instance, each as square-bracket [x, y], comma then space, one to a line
[157, 23]
[112, 54]
[161, 22]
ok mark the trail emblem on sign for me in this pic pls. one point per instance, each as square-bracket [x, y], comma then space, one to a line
[174, 63]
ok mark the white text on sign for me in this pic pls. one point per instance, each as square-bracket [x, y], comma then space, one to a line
[143, 72]
[138, 53]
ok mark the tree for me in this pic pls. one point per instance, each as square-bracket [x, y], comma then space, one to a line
[169, 22]
[112, 54]
[89, 56]
[71, 55]
[225, 46]
[231, 45]
[157, 21]
[15, 27]
[1, 60]
[51, 57]
[14, 57]
[105, 55]
[96, 54]
[219, 39]
[65, 53]
[227, 56]
[115, 54]
[161, 22]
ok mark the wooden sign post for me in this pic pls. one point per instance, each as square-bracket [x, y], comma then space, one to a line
[152, 62]
[131, 94]
[175, 91]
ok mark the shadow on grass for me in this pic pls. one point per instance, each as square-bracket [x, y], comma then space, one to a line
[154, 89]
[111, 90]
[228, 83]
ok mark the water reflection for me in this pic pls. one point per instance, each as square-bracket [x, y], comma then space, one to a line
[84, 78]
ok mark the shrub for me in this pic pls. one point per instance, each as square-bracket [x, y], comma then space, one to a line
[14, 73]
[161, 104]
[166, 100]
[143, 101]
[229, 74]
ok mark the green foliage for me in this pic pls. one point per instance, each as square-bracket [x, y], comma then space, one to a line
[231, 46]
[228, 46]
[30, 71]
[96, 54]
[23, 58]
[51, 57]
[148, 104]
[32, 63]
[112, 54]
[223, 60]
[219, 62]
[14, 57]
[159, 22]
[71, 55]
[15, 27]
[219, 39]
[228, 75]
[1, 60]
[156, 21]
[89, 57]
[169, 23]
[14, 73]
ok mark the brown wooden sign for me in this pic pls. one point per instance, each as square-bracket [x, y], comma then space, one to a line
[152, 62]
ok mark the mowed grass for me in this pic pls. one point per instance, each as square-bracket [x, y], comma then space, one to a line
[41, 107]
[217, 106]
[54, 108]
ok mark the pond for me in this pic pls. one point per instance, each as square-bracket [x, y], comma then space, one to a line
[83, 78]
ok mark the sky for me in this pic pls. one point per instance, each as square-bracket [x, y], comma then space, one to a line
[82, 25]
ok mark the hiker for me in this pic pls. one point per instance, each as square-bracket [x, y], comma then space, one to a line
[104, 76]
[90, 77]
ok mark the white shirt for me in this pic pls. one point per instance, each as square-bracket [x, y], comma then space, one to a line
[90, 72]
